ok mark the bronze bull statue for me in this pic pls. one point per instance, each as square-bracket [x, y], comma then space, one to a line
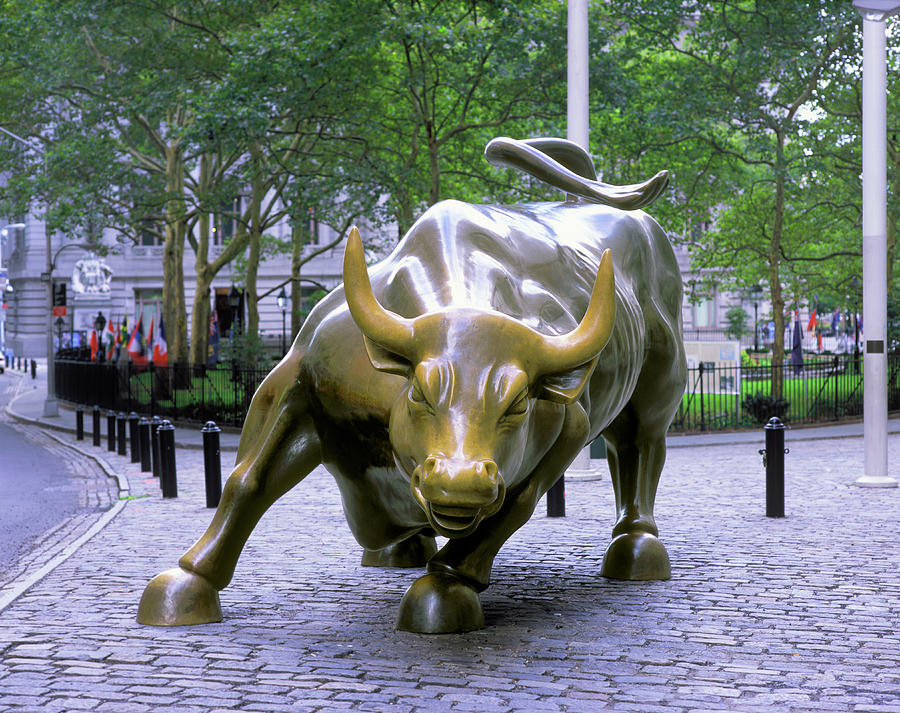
[447, 388]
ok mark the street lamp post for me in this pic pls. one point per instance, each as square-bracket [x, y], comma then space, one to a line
[282, 305]
[874, 234]
[99, 324]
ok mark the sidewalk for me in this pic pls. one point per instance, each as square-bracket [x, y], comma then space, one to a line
[788, 615]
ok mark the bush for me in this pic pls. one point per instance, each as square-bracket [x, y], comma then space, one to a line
[762, 407]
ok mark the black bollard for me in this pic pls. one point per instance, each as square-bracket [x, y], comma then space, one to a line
[111, 430]
[144, 439]
[167, 459]
[79, 422]
[773, 460]
[95, 424]
[135, 437]
[556, 498]
[155, 423]
[121, 435]
[212, 463]
[33, 369]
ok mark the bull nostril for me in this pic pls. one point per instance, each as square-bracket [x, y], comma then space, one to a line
[430, 465]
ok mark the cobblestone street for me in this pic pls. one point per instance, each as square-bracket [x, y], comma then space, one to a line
[796, 614]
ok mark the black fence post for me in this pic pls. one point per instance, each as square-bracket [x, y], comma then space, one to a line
[702, 404]
[121, 435]
[144, 439]
[135, 437]
[212, 463]
[556, 498]
[95, 424]
[773, 459]
[79, 422]
[168, 476]
[111, 430]
[155, 423]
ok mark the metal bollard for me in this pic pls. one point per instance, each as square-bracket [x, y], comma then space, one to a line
[121, 436]
[135, 437]
[773, 461]
[79, 422]
[95, 424]
[155, 423]
[556, 498]
[212, 463]
[144, 439]
[167, 459]
[111, 430]
[33, 369]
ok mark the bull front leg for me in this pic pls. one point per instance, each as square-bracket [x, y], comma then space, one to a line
[445, 600]
[278, 448]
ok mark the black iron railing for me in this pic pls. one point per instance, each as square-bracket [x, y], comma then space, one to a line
[183, 393]
[717, 397]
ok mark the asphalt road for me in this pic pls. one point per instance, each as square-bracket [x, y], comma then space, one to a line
[36, 493]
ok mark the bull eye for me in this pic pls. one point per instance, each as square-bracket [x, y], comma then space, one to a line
[416, 395]
[519, 406]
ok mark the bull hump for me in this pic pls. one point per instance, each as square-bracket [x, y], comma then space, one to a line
[508, 260]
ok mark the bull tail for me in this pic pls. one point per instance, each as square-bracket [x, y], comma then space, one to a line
[566, 166]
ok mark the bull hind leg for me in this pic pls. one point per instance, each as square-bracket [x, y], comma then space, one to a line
[278, 448]
[635, 464]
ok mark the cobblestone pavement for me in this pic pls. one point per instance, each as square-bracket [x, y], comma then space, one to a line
[797, 614]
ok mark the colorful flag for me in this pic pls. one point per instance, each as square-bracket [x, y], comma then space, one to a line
[797, 350]
[835, 320]
[136, 346]
[213, 347]
[95, 345]
[160, 348]
[110, 340]
[811, 327]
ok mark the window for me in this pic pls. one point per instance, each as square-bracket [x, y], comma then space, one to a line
[147, 308]
[311, 227]
[705, 314]
[150, 233]
[227, 222]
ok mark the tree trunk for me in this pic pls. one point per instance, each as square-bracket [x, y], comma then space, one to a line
[297, 242]
[200, 309]
[251, 334]
[173, 257]
[775, 269]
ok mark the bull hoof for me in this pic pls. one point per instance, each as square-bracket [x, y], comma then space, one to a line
[414, 551]
[637, 556]
[439, 603]
[179, 598]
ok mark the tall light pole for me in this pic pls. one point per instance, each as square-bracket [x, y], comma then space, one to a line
[874, 180]
[51, 407]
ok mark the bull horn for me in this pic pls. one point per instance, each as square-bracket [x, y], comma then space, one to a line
[383, 327]
[587, 340]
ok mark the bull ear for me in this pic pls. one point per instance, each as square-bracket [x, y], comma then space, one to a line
[385, 360]
[566, 386]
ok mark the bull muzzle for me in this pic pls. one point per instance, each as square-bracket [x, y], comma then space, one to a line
[456, 495]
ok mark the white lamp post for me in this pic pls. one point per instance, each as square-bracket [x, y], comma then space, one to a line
[874, 149]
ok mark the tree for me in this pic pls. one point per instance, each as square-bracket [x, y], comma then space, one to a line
[738, 79]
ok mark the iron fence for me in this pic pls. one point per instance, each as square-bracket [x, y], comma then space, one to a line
[184, 393]
[717, 397]
[828, 388]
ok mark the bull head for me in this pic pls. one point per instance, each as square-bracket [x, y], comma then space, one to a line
[461, 426]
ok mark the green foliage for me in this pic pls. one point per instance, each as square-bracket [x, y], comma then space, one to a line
[762, 407]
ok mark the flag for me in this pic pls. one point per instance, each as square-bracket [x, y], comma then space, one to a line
[835, 320]
[213, 346]
[160, 354]
[121, 337]
[797, 350]
[95, 345]
[811, 327]
[136, 346]
[110, 340]
[151, 337]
